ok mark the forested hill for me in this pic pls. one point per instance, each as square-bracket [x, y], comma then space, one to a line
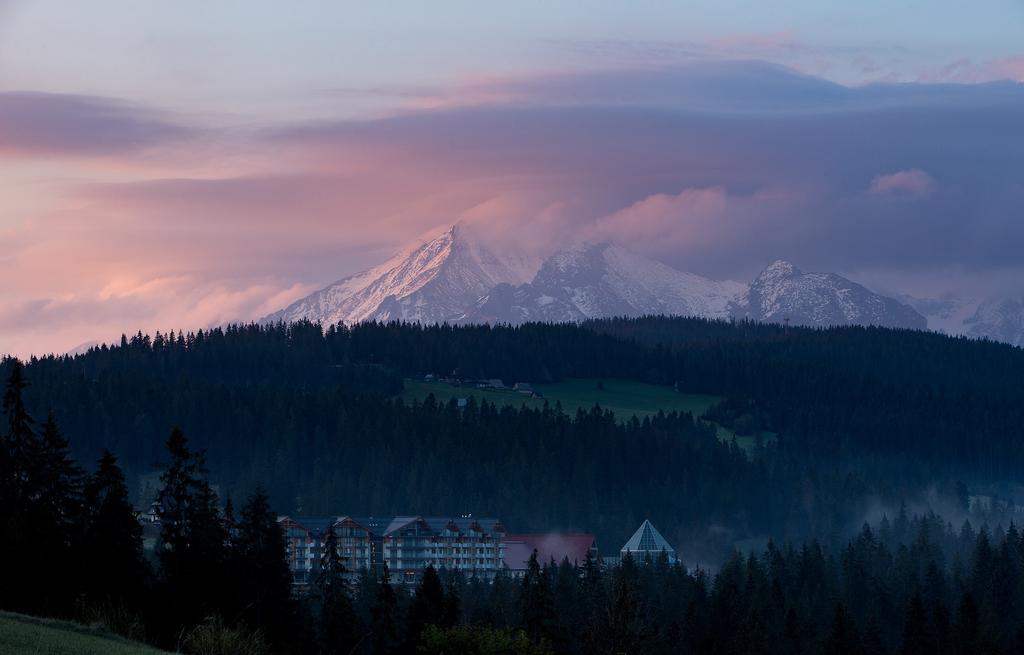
[861, 413]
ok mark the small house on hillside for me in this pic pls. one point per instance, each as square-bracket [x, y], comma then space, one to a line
[523, 387]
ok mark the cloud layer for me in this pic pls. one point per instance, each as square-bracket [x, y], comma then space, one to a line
[49, 125]
[716, 168]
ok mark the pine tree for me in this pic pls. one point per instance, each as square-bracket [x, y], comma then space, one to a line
[842, 637]
[452, 610]
[536, 606]
[192, 545]
[917, 638]
[338, 623]
[17, 444]
[112, 560]
[384, 615]
[967, 628]
[623, 619]
[260, 555]
[59, 479]
[427, 607]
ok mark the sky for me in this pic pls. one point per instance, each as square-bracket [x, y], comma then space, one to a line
[182, 165]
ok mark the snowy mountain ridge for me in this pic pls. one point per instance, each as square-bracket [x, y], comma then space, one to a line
[601, 280]
[999, 319]
[784, 292]
[455, 278]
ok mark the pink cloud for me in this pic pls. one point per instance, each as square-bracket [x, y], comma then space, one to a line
[913, 182]
[687, 216]
[697, 219]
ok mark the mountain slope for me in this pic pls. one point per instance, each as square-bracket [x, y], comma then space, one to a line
[784, 292]
[603, 280]
[433, 282]
[999, 319]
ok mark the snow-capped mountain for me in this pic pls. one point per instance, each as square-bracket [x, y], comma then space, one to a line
[999, 319]
[783, 291]
[436, 281]
[601, 280]
[455, 278]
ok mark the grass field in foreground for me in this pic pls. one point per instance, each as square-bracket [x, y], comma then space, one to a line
[624, 397]
[29, 635]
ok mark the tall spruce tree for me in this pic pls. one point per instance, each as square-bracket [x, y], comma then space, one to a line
[536, 605]
[261, 558]
[192, 545]
[114, 569]
[339, 631]
[426, 608]
[623, 618]
[384, 617]
[59, 479]
[53, 522]
[17, 444]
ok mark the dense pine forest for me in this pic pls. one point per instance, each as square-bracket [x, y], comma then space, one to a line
[801, 545]
[864, 416]
[219, 582]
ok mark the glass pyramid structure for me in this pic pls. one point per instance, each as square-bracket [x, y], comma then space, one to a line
[647, 542]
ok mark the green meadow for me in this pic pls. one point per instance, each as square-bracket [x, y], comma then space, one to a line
[28, 635]
[626, 398]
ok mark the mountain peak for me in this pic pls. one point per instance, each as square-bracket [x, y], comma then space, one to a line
[782, 292]
[433, 281]
[781, 268]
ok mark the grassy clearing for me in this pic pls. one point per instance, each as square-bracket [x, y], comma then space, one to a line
[29, 635]
[624, 397]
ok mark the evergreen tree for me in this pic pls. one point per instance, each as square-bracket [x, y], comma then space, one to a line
[917, 637]
[112, 561]
[451, 614]
[18, 444]
[967, 628]
[427, 607]
[842, 636]
[19, 440]
[338, 623]
[192, 544]
[623, 622]
[59, 480]
[536, 606]
[260, 556]
[58, 487]
[384, 627]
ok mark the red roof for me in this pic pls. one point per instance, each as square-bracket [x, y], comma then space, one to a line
[549, 545]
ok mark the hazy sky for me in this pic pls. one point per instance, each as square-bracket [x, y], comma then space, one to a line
[178, 165]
